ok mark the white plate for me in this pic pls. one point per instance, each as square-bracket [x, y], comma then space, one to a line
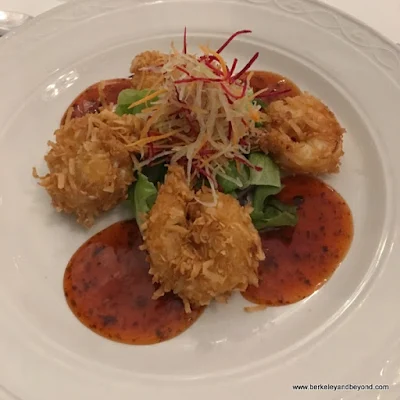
[346, 333]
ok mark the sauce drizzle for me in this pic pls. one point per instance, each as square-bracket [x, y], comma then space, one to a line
[108, 287]
[299, 260]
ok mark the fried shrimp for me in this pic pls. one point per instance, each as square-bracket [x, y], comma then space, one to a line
[89, 167]
[146, 69]
[305, 136]
[200, 253]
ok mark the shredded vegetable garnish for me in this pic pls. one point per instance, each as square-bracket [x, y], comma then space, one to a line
[204, 115]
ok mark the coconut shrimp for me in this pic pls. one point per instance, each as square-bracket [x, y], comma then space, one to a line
[305, 136]
[90, 168]
[146, 69]
[200, 253]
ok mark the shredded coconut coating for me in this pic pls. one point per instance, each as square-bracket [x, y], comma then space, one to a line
[146, 69]
[200, 253]
[89, 166]
[305, 136]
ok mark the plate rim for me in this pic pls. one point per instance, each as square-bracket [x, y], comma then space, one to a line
[59, 10]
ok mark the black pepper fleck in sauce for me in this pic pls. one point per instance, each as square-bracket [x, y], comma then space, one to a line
[108, 287]
[301, 259]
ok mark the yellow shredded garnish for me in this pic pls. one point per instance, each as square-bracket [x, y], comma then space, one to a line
[222, 63]
[142, 142]
[150, 122]
[204, 114]
[147, 98]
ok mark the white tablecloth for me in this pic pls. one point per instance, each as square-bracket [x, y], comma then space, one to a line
[383, 15]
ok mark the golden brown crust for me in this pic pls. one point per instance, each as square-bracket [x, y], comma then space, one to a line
[146, 68]
[305, 136]
[89, 166]
[200, 253]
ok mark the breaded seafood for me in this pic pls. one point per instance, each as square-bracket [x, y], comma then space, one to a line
[305, 136]
[89, 167]
[146, 69]
[200, 253]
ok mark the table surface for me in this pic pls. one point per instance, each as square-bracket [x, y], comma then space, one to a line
[383, 15]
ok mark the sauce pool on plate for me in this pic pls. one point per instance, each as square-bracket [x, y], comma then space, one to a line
[301, 259]
[108, 287]
[278, 86]
[91, 99]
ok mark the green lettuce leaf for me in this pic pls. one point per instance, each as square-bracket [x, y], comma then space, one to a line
[276, 217]
[130, 96]
[260, 196]
[269, 212]
[275, 214]
[241, 176]
[142, 196]
[268, 175]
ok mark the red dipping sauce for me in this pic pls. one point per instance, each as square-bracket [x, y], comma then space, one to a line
[108, 287]
[299, 260]
[90, 101]
[278, 86]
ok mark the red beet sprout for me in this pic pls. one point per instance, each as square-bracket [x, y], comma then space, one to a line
[206, 174]
[151, 150]
[231, 38]
[229, 100]
[184, 41]
[234, 96]
[183, 70]
[229, 130]
[246, 67]
[248, 163]
[213, 68]
[232, 70]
